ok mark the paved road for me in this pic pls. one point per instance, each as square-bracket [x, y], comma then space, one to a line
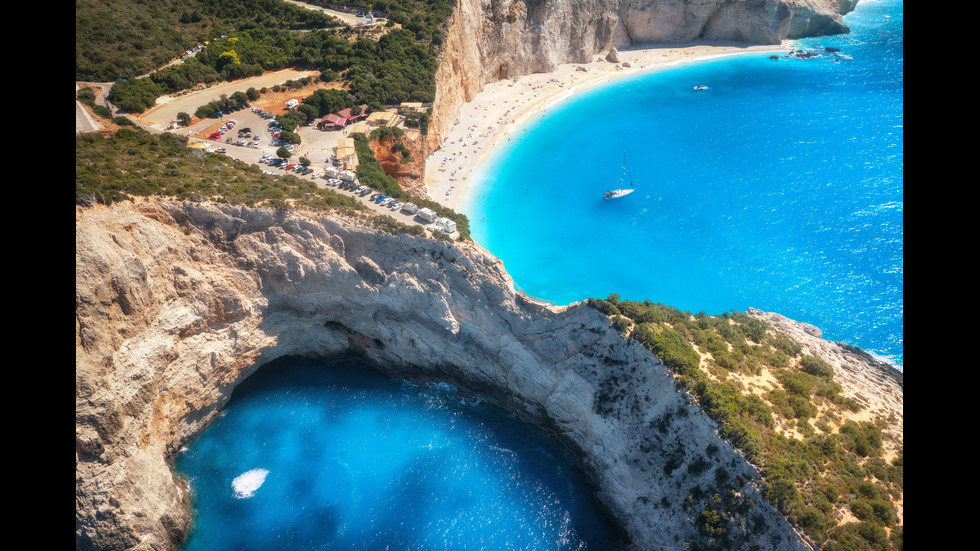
[83, 122]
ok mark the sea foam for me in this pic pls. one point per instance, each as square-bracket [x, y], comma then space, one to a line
[246, 483]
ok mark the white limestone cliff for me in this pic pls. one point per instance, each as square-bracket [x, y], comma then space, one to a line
[491, 40]
[176, 303]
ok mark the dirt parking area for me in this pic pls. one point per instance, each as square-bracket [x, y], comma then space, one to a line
[317, 145]
[168, 107]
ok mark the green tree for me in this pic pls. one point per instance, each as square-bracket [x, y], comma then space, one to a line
[288, 122]
[328, 101]
[290, 137]
[86, 96]
[227, 58]
[308, 112]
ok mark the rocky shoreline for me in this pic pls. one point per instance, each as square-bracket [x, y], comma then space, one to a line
[177, 303]
[489, 41]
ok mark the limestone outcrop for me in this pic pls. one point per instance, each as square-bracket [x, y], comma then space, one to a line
[177, 303]
[491, 40]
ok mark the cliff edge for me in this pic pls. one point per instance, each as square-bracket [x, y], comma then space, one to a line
[176, 303]
[491, 40]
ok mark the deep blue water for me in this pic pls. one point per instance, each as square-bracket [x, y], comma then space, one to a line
[779, 188]
[311, 455]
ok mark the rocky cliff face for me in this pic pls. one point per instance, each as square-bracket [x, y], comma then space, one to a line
[176, 303]
[490, 40]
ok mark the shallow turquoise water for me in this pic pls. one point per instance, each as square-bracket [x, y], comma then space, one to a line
[779, 188]
[311, 455]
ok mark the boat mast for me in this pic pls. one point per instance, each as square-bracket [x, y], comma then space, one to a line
[626, 169]
[622, 179]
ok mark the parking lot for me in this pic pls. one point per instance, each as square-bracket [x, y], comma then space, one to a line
[316, 145]
[235, 135]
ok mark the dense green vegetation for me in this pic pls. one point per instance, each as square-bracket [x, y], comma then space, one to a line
[135, 163]
[835, 466]
[126, 38]
[248, 38]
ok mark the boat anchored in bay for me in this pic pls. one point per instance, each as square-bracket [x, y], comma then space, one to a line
[623, 191]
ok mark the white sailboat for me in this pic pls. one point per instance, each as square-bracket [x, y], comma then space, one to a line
[623, 191]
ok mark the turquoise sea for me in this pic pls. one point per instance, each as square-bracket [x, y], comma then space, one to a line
[779, 187]
[333, 456]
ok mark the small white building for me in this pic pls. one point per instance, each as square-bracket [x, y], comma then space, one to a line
[427, 214]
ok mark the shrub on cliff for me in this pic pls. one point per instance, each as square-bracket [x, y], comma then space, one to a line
[857, 536]
[816, 367]
[669, 346]
[604, 306]
[807, 477]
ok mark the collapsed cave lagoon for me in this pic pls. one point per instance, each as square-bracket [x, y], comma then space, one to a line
[317, 455]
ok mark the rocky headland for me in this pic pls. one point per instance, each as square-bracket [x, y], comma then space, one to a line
[178, 302]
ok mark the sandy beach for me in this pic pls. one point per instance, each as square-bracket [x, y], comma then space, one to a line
[503, 106]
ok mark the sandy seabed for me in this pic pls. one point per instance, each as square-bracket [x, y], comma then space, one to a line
[503, 106]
